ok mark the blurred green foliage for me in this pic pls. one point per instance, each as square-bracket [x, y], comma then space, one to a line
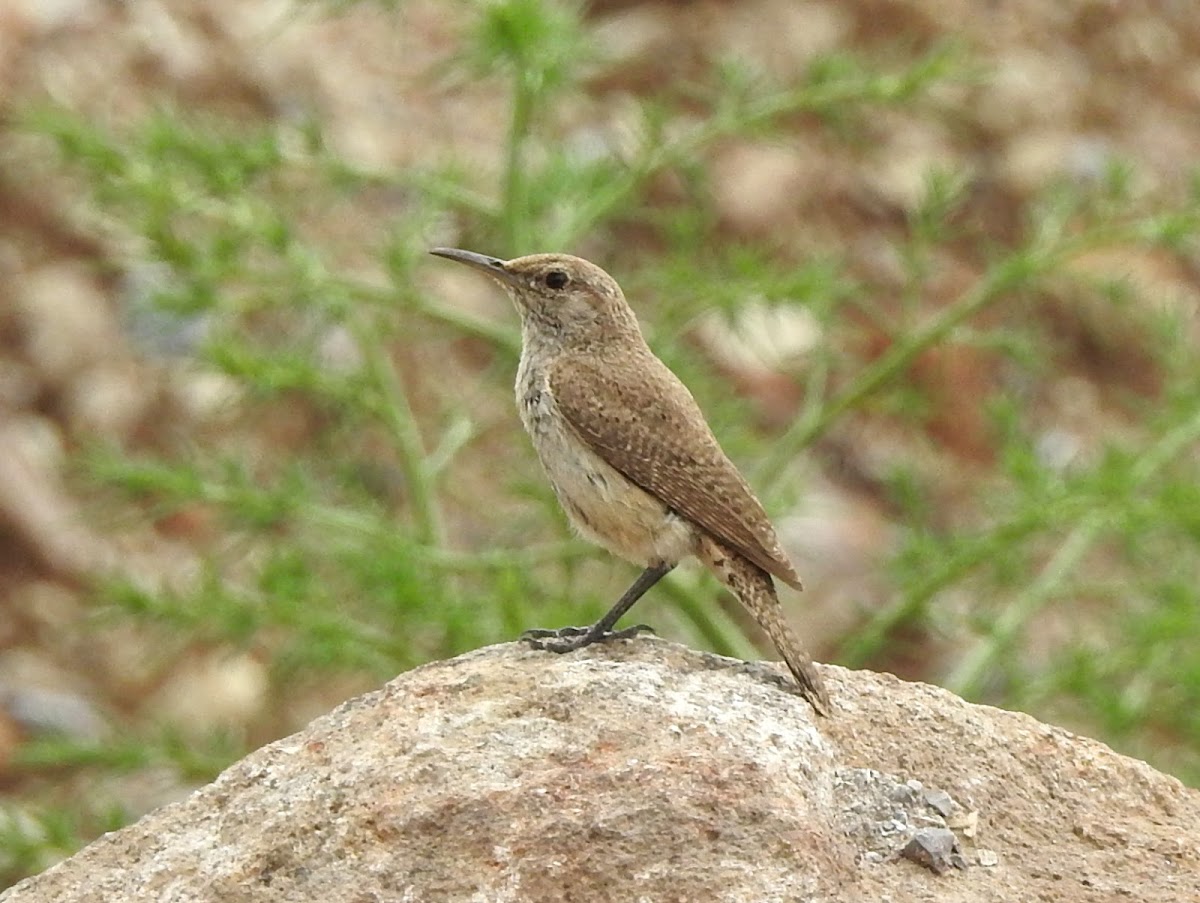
[348, 553]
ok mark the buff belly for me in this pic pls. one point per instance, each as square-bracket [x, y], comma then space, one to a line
[600, 502]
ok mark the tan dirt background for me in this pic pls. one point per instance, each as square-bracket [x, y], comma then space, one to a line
[1069, 86]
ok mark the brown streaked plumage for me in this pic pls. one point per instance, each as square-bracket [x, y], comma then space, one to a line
[678, 460]
[629, 453]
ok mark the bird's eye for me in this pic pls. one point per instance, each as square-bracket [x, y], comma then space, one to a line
[556, 279]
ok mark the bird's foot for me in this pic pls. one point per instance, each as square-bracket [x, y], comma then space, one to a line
[568, 639]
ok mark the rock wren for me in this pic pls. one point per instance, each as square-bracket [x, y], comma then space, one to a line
[631, 458]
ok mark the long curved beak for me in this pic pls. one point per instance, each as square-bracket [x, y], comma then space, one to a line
[493, 266]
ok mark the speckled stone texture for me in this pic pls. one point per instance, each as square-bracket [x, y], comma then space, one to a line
[646, 771]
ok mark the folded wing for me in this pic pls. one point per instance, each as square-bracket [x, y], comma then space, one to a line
[650, 429]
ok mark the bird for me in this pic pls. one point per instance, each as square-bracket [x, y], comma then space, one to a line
[629, 454]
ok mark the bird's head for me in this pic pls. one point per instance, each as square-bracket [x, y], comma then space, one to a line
[570, 298]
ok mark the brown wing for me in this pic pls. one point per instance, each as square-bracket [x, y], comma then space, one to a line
[644, 422]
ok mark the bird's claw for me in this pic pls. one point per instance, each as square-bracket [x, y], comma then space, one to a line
[541, 633]
[568, 639]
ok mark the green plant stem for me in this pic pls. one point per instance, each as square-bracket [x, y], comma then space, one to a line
[1009, 274]
[397, 414]
[516, 206]
[869, 640]
[504, 339]
[834, 96]
[363, 526]
[503, 559]
[701, 610]
[967, 678]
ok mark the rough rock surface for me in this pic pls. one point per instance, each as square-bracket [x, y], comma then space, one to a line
[647, 771]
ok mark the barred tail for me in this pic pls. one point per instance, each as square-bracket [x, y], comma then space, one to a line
[755, 590]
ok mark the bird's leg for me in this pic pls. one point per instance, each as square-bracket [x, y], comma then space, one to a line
[568, 639]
